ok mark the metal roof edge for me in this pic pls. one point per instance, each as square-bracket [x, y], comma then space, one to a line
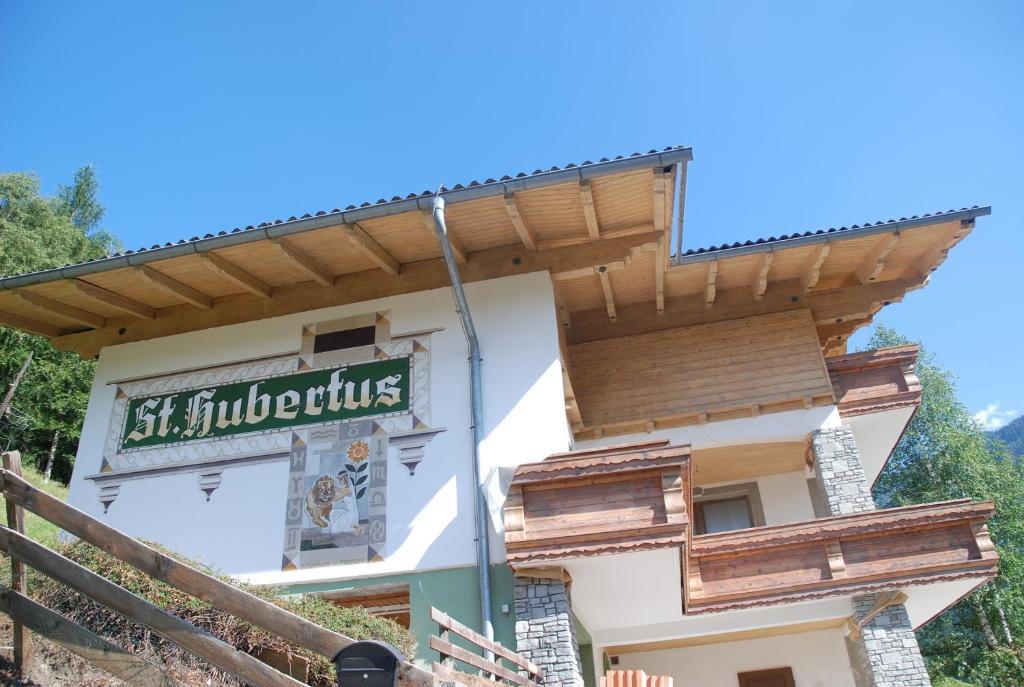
[826, 236]
[664, 158]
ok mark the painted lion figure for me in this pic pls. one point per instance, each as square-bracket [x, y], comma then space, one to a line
[322, 497]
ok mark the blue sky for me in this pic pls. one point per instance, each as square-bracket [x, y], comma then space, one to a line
[206, 116]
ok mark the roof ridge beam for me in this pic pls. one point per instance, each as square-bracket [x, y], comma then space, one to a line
[174, 287]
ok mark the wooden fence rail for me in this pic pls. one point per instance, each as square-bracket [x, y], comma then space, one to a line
[148, 560]
[448, 650]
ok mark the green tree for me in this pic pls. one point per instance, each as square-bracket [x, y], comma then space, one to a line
[944, 455]
[38, 232]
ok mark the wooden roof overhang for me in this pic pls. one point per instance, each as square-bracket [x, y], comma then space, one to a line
[843, 276]
[579, 218]
[617, 499]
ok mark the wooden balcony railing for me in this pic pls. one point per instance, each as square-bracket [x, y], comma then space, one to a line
[875, 550]
[873, 381]
[598, 501]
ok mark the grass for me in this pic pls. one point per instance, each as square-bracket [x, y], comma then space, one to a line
[36, 528]
[949, 682]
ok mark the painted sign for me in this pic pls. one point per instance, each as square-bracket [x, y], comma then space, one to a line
[314, 397]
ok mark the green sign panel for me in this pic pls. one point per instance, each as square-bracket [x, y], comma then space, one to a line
[305, 398]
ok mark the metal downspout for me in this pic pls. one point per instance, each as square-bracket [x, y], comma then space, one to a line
[483, 557]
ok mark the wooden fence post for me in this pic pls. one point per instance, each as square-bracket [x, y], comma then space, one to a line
[16, 521]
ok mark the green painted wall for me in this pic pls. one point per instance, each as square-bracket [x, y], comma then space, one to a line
[454, 590]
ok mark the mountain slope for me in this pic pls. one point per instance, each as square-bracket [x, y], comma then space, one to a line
[1013, 435]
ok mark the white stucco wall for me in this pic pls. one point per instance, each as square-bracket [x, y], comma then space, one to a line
[818, 659]
[792, 425]
[429, 514]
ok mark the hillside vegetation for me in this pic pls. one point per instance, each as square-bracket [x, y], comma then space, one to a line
[1013, 435]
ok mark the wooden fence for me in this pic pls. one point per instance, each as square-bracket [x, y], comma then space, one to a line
[133, 669]
[519, 670]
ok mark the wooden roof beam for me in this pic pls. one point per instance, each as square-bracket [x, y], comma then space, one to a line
[875, 261]
[457, 250]
[606, 288]
[525, 234]
[935, 256]
[812, 272]
[9, 319]
[304, 263]
[661, 214]
[373, 250]
[236, 274]
[83, 317]
[114, 300]
[760, 282]
[710, 282]
[589, 213]
[659, 275]
[174, 287]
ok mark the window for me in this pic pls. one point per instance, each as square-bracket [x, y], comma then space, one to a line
[722, 509]
[346, 338]
[776, 677]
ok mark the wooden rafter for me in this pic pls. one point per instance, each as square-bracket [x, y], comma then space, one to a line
[236, 274]
[457, 250]
[759, 284]
[609, 295]
[875, 262]
[661, 216]
[422, 275]
[811, 274]
[9, 319]
[114, 300]
[710, 282]
[659, 275]
[174, 287]
[373, 250]
[934, 257]
[525, 234]
[304, 263]
[589, 213]
[83, 317]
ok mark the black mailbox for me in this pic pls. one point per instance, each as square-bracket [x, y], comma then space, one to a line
[368, 664]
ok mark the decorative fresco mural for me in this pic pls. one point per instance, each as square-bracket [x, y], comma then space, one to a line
[354, 397]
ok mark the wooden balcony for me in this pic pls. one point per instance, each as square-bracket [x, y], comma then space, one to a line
[600, 501]
[875, 381]
[885, 549]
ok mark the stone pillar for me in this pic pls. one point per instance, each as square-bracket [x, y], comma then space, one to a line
[885, 652]
[546, 630]
[842, 485]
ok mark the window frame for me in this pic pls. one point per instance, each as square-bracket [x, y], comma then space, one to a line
[745, 490]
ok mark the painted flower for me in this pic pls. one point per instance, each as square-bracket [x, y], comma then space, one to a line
[358, 451]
